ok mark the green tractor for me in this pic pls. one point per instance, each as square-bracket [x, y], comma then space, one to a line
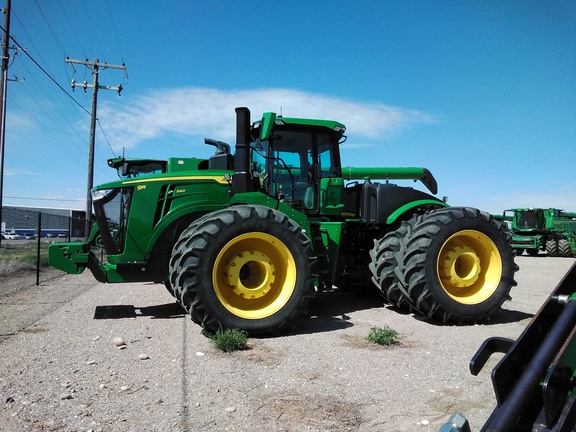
[246, 240]
[537, 229]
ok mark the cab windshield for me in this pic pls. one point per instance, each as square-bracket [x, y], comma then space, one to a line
[290, 164]
[111, 210]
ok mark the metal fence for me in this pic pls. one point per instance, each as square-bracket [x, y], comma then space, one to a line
[26, 235]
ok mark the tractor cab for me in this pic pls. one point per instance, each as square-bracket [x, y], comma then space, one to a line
[130, 168]
[297, 160]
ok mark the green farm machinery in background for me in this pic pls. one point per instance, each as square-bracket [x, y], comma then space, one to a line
[245, 240]
[538, 229]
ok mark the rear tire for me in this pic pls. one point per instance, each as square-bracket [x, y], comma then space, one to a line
[457, 265]
[552, 247]
[245, 267]
[168, 286]
[384, 265]
[564, 248]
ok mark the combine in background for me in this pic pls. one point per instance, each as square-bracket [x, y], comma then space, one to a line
[536, 229]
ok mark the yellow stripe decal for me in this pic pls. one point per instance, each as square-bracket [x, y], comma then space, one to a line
[218, 179]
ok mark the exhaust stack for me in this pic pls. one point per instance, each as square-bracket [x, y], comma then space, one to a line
[242, 181]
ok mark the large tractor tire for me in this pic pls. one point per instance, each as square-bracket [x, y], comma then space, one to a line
[383, 266]
[245, 267]
[564, 249]
[552, 247]
[455, 265]
[175, 267]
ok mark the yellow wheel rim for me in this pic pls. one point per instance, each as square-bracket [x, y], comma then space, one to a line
[469, 267]
[254, 275]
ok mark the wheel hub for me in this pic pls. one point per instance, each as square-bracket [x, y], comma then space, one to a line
[254, 275]
[249, 274]
[461, 266]
[469, 267]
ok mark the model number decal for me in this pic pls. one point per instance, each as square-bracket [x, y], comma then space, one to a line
[141, 187]
[180, 190]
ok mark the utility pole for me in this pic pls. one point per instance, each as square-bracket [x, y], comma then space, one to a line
[95, 86]
[3, 90]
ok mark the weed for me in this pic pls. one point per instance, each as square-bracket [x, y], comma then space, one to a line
[16, 259]
[229, 340]
[382, 335]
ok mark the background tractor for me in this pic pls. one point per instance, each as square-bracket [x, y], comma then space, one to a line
[536, 229]
[246, 240]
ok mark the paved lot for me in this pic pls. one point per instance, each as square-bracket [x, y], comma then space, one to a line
[60, 371]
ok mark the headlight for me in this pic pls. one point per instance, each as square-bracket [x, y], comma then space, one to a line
[102, 193]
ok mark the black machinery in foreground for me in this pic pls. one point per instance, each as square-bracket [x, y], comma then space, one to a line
[535, 381]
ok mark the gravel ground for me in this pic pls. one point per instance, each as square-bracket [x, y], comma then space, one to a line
[61, 371]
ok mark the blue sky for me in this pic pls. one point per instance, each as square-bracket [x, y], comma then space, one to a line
[482, 93]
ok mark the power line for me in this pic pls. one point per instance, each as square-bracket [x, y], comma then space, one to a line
[92, 26]
[114, 30]
[58, 118]
[29, 38]
[50, 29]
[71, 27]
[47, 131]
[45, 72]
[106, 137]
[44, 199]
[48, 103]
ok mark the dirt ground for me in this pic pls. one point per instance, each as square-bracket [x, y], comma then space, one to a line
[61, 371]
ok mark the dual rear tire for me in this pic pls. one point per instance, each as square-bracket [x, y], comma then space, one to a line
[558, 247]
[452, 264]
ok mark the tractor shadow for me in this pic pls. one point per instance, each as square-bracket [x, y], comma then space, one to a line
[505, 316]
[329, 311]
[162, 311]
[508, 316]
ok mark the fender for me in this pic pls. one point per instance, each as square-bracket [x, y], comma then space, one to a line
[386, 203]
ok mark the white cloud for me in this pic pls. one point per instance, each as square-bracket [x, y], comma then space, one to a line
[20, 172]
[347, 146]
[18, 121]
[210, 112]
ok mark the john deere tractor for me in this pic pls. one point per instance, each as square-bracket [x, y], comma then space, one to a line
[245, 240]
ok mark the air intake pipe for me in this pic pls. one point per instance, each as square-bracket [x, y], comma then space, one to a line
[242, 181]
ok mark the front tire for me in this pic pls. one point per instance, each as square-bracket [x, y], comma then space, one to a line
[245, 267]
[457, 265]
